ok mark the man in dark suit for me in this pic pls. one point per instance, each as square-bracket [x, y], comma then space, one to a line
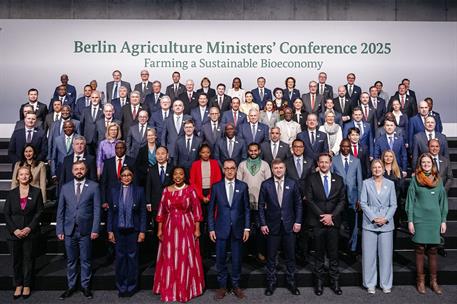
[230, 146]
[64, 97]
[290, 93]
[57, 127]
[439, 124]
[200, 114]
[274, 148]
[390, 141]
[78, 222]
[261, 94]
[89, 117]
[187, 146]
[145, 86]
[442, 163]
[82, 102]
[28, 135]
[79, 154]
[353, 91]
[152, 100]
[112, 169]
[39, 108]
[325, 197]
[229, 223]
[324, 89]
[173, 127]
[314, 139]
[369, 112]
[253, 131]
[119, 103]
[221, 100]
[366, 134]
[157, 118]
[176, 88]
[130, 113]
[52, 116]
[63, 146]
[417, 122]
[379, 106]
[299, 115]
[159, 176]
[71, 90]
[20, 124]
[234, 115]
[136, 138]
[189, 97]
[407, 84]
[359, 150]
[408, 103]
[212, 131]
[279, 222]
[112, 87]
[312, 101]
[420, 141]
[343, 104]
[104, 121]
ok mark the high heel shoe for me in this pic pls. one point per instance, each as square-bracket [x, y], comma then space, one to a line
[26, 296]
[15, 296]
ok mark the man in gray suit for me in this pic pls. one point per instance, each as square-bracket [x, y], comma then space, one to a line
[274, 148]
[102, 123]
[89, 117]
[421, 139]
[112, 87]
[63, 146]
[78, 221]
[173, 127]
[145, 86]
[324, 89]
[136, 138]
[312, 102]
[212, 130]
[176, 88]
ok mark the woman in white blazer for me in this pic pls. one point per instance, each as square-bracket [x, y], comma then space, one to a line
[378, 202]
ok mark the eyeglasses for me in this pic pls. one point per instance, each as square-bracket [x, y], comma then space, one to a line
[230, 168]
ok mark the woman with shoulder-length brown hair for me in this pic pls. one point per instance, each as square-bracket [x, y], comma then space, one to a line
[22, 211]
[427, 207]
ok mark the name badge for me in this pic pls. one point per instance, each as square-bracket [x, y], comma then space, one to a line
[287, 187]
[193, 149]
[237, 190]
[29, 198]
[333, 180]
[432, 193]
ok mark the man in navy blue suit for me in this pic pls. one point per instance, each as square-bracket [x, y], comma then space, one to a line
[261, 94]
[391, 141]
[152, 100]
[71, 90]
[366, 134]
[379, 106]
[157, 118]
[78, 221]
[254, 131]
[230, 146]
[280, 221]
[82, 102]
[316, 141]
[234, 115]
[353, 91]
[200, 114]
[187, 147]
[120, 102]
[63, 96]
[228, 223]
[417, 122]
[439, 124]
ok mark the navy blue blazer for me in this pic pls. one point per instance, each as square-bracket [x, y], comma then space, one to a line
[262, 135]
[365, 139]
[221, 150]
[68, 100]
[356, 91]
[266, 96]
[380, 110]
[398, 147]
[138, 209]
[182, 156]
[227, 117]
[272, 214]
[198, 119]
[79, 107]
[416, 126]
[290, 97]
[420, 145]
[151, 103]
[118, 108]
[223, 218]
[18, 141]
[85, 213]
[320, 144]
[65, 173]
[71, 91]
[156, 121]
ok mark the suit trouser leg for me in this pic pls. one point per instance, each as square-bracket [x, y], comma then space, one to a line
[385, 251]
[273, 243]
[320, 236]
[120, 262]
[369, 258]
[221, 262]
[332, 252]
[132, 261]
[27, 263]
[85, 252]
[72, 250]
[17, 255]
[288, 245]
[236, 245]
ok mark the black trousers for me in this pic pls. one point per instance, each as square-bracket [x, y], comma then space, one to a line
[326, 244]
[207, 247]
[22, 253]
[288, 245]
[257, 242]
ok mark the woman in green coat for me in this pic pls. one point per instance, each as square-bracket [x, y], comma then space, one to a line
[427, 206]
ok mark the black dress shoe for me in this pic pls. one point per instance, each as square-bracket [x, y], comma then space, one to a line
[67, 293]
[319, 288]
[336, 288]
[442, 252]
[270, 290]
[293, 289]
[87, 293]
[15, 297]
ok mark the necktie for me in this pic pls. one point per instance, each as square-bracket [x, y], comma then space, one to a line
[156, 98]
[164, 114]
[279, 190]
[178, 124]
[299, 167]
[56, 117]
[313, 139]
[220, 102]
[106, 123]
[275, 150]
[437, 163]
[390, 142]
[144, 87]
[253, 132]
[115, 92]
[94, 113]
[176, 89]
[234, 118]
[322, 89]
[326, 188]
[261, 94]
[403, 102]
[312, 102]
[134, 112]
[214, 130]
[430, 136]
[346, 165]
[87, 102]
[366, 112]
[374, 102]
[230, 147]
[190, 97]
[61, 98]
[68, 144]
[230, 193]
[355, 152]
[29, 136]
[119, 167]
[78, 158]
[359, 126]
[350, 90]
[342, 104]
[162, 174]
[142, 131]
[78, 191]
[188, 145]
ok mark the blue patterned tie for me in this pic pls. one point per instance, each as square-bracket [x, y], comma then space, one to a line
[346, 165]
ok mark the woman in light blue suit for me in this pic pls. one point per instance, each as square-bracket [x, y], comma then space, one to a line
[378, 202]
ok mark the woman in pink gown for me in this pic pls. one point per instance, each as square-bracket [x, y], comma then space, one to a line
[179, 273]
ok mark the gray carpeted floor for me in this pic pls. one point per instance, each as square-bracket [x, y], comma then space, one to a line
[352, 295]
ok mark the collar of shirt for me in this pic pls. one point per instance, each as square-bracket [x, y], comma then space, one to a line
[189, 137]
[229, 181]
[82, 183]
[121, 158]
[432, 132]
[162, 165]
[68, 137]
[343, 158]
[298, 157]
[279, 180]
[328, 174]
[28, 129]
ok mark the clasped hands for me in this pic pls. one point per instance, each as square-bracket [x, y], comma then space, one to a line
[22, 233]
[380, 221]
[327, 220]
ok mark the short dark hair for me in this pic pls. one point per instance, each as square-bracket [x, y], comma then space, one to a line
[353, 129]
[277, 161]
[325, 154]
[32, 90]
[254, 144]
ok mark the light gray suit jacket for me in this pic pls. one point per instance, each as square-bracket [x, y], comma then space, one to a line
[269, 122]
[376, 204]
[352, 179]
[134, 140]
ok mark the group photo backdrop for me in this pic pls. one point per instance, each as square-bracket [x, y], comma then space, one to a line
[34, 53]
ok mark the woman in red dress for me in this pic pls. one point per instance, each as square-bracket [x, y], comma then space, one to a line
[179, 273]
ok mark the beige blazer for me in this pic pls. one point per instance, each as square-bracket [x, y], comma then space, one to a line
[38, 174]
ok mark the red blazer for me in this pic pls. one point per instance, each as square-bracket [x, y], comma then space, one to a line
[196, 175]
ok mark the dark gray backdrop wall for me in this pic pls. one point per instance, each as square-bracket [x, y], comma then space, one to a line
[376, 10]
